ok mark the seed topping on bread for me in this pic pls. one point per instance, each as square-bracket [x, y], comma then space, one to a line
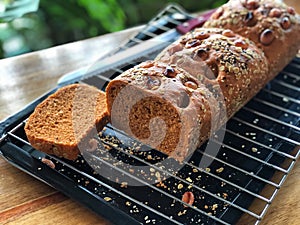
[271, 25]
[266, 15]
[204, 45]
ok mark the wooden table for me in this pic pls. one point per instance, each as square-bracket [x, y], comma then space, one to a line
[25, 200]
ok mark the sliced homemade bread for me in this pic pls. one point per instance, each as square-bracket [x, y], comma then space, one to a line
[64, 123]
[192, 87]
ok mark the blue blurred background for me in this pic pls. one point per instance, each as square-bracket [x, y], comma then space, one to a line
[61, 21]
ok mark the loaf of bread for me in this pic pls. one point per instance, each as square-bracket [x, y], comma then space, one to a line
[189, 87]
[270, 24]
[175, 102]
[63, 122]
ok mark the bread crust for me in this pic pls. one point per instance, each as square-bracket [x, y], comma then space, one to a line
[229, 65]
[270, 24]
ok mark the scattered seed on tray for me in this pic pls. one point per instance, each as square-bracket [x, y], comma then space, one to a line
[188, 197]
[48, 162]
[107, 199]
[254, 149]
[220, 170]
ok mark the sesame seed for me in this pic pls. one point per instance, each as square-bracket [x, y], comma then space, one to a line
[220, 170]
[254, 149]
[108, 199]
[180, 186]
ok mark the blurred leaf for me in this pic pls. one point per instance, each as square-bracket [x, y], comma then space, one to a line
[108, 13]
[218, 3]
[60, 21]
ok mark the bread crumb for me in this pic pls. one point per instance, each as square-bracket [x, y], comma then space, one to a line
[220, 170]
[214, 207]
[124, 184]
[128, 203]
[189, 180]
[107, 199]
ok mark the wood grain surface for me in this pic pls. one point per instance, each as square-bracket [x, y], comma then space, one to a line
[26, 200]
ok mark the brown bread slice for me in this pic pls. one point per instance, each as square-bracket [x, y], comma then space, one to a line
[64, 122]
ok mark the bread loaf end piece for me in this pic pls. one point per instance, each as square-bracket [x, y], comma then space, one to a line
[65, 119]
[162, 106]
[272, 25]
[229, 65]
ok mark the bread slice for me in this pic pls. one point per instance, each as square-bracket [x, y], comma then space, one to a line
[64, 123]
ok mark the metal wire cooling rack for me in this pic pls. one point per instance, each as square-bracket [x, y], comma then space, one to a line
[260, 148]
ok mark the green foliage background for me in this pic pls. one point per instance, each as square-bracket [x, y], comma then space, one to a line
[62, 21]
